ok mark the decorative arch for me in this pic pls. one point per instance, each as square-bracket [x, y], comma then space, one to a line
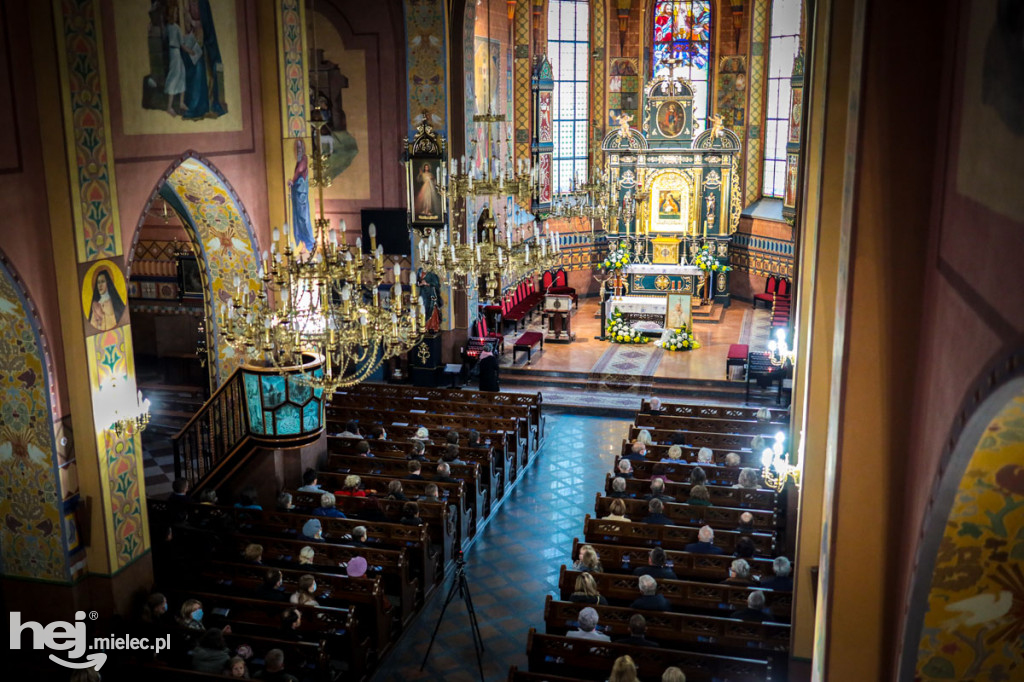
[222, 232]
[965, 616]
[35, 538]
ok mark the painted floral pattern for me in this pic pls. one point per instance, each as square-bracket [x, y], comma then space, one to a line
[975, 618]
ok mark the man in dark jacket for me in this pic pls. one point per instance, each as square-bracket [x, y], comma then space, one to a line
[783, 579]
[649, 599]
[706, 538]
[656, 566]
[755, 608]
[654, 514]
[637, 632]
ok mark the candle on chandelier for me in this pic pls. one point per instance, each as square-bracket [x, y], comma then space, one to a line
[373, 237]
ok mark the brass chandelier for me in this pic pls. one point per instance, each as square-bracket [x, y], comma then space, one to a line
[331, 302]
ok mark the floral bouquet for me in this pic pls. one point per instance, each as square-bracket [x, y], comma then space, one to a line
[619, 330]
[681, 339]
[705, 260]
[616, 259]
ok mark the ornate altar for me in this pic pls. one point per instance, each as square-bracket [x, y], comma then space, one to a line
[673, 186]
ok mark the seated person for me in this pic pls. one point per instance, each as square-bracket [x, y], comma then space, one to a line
[473, 439]
[744, 548]
[211, 654]
[363, 449]
[305, 594]
[617, 509]
[352, 487]
[649, 599]
[587, 627]
[378, 432]
[253, 554]
[644, 436]
[755, 609]
[327, 507]
[418, 451]
[674, 455]
[291, 621]
[654, 407]
[739, 573]
[732, 460]
[422, 434]
[273, 670]
[588, 560]
[430, 494]
[586, 591]
[654, 513]
[705, 542]
[271, 588]
[444, 474]
[699, 495]
[746, 524]
[625, 469]
[747, 479]
[451, 437]
[658, 491]
[411, 515]
[284, 502]
[656, 567]
[698, 476]
[705, 456]
[351, 430]
[415, 467]
[783, 579]
[637, 451]
[309, 482]
[658, 472]
[619, 488]
[395, 491]
[248, 499]
[313, 530]
[451, 454]
[637, 632]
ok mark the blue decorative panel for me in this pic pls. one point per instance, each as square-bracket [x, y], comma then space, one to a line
[311, 416]
[289, 421]
[298, 393]
[273, 391]
[252, 400]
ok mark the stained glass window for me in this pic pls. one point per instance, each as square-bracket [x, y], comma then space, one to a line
[785, 40]
[569, 52]
[682, 47]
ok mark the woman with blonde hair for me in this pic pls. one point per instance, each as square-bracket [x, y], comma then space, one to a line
[644, 437]
[673, 674]
[586, 591]
[351, 487]
[618, 511]
[674, 454]
[306, 555]
[588, 560]
[624, 670]
[253, 553]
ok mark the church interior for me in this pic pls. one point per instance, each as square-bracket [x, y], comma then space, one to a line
[516, 340]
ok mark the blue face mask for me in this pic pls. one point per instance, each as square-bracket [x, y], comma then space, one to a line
[197, 615]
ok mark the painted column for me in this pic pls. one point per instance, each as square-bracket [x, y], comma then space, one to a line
[95, 320]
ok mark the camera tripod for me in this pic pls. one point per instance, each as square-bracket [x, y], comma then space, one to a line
[461, 587]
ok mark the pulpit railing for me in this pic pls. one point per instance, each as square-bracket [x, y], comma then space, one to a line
[218, 429]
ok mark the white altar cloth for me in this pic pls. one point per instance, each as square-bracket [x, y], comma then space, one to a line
[662, 269]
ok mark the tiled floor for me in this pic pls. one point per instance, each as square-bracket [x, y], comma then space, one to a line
[516, 561]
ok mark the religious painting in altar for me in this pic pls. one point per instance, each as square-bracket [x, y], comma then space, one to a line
[104, 296]
[671, 118]
[671, 204]
[178, 66]
[342, 93]
[731, 93]
[668, 113]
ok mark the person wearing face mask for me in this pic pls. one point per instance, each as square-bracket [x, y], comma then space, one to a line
[190, 622]
[304, 595]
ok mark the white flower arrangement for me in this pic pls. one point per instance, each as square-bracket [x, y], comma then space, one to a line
[680, 339]
[619, 331]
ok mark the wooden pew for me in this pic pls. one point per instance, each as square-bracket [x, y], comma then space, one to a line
[569, 655]
[517, 675]
[687, 566]
[428, 562]
[635, 533]
[442, 519]
[725, 518]
[680, 471]
[532, 400]
[509, 427]
[478, 494]
[621, 590]
[492, 469]
[527, 429]
[256, 617]
[365, 596]
[659, 451]
[705, 425]
[391, 564]
[454, 494]
[746, 498]
[697, 439]
[778, 416]
[726, 635]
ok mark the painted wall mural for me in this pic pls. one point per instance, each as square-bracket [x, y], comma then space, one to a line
[975, 617]
[32, 533]
[228, 248]
[426, 57]
[178, 66]
[292, 39]
[97, 225]
[755, 110]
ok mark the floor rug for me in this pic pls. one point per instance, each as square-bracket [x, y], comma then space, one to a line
[638, 360]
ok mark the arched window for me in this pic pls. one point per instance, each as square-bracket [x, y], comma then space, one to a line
[785, 40]
[682, 47]
[569, 53]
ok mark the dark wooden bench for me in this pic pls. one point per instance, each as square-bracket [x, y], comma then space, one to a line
[668, 537]
[687, 566]
[778, 416]
[680, 471]
[659, 451]
[724, 518]
[707, 425]
[746, 498]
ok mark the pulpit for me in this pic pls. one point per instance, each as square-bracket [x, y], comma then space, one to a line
[558, 315]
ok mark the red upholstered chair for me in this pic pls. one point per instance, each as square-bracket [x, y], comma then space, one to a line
[783, 289]
[770, 287]
[561, 286]
[547, 281]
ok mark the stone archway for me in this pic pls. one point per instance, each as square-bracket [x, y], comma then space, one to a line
[224, 240]
[965, 617]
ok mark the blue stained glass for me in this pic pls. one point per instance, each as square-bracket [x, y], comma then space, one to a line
[273, 391]
[252, 402]
[298, 392]
[682, 32]
[288, 421]
[311, 416]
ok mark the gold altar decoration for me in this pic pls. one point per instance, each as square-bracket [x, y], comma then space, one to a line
[672, 205]
[666, 251]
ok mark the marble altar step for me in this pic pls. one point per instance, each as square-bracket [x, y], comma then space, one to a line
[708, 314]
[584, 386]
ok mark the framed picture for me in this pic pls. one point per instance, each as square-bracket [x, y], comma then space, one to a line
[190, 278]
[427, 203]
[677, 311]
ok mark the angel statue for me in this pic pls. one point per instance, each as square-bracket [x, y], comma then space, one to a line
[624, 120]
[716, 126]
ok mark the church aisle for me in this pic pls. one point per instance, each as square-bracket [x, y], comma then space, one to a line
[516, 561]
